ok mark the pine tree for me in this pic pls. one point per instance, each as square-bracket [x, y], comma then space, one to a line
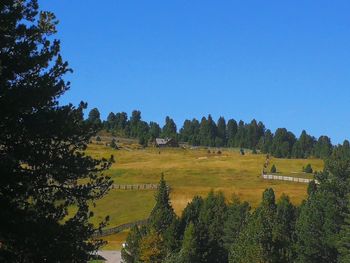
[42, 165]
[94, 117]
[237, 217]
[344, 238]
[152, 248]
[162, 214]
[211, 228]
[130, 253]
[273, 169]
[189, 250]
[283, 230]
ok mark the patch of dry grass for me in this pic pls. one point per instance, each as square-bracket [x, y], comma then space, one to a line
[189, 173]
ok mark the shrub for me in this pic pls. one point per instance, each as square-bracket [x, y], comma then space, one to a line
[273, 169]
[308, 169]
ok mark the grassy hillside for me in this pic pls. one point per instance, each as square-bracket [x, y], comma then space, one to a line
[190, 172]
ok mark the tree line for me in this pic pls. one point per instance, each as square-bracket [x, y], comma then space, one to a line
[221, 133]
[213, 230]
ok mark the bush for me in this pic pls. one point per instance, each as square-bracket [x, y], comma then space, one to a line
[219, 152]
[113, 144]
[98, 139]
[242, 151]
[308, 169]
[273, 169]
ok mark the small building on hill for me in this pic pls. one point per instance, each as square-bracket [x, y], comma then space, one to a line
[167, 142]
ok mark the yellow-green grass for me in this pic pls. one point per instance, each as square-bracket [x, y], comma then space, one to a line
[190, 172]
[115, 241]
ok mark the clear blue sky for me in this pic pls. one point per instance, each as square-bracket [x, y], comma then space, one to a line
[286, 63]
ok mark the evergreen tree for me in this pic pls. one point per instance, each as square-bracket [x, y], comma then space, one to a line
[94, 117]
[44, 171]
[162, 214]
[316, 229]
[241, 135]
[237, 217]
[282, 143]
[135, 119]
[169, 129]
[231, 132]
[323, 147]
[211, 228]
[343, 244]
[121, 122]
[255, 242]
[308, 169]
[154, 130]
[265, 142]
[247, 248]
[283, 230]
[189, 250]
[111, 121]
[152, 248]
[221, 133]
[191, 213]
[273, 169]
[130, 253]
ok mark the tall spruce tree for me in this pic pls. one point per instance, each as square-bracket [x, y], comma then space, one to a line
[94, 117]
[163, 214]
[344, 237]
[42, 165]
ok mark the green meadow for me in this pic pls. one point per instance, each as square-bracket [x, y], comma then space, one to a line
[190, 172]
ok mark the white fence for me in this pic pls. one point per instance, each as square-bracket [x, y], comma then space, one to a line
[287, 178]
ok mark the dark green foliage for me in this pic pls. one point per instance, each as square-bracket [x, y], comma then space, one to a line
[323, 147]
[283, 230]
[253, 135]
[191, 213]
[130, 253]
[343, 244]
[169, 129]
[154, 130]
[312, 188]
[207, 132]
[231, 132]
[211, 228]
[42, 166]
[237, 218]
[273, 169]
[308, 169]
[189, 250]
[114, 144]
[282, 143]
[162, 214]
[255, 242]
[316, 229]
[265, 143]
[190, 132]
[221, 133]
[98, 138]
[304, 147]
[94, 117]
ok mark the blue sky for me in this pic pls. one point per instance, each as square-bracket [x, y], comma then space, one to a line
[286, 63]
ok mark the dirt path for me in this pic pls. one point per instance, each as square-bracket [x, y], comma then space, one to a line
[111, 256]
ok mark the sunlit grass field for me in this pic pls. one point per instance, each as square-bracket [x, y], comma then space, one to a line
[190, 172]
